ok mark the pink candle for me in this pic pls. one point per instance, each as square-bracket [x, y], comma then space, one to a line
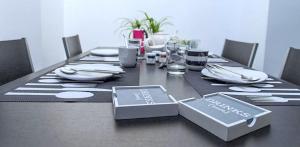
[139, 34]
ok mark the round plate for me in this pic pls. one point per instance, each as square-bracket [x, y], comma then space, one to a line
[105, 52]
[230, 79]
[83, 76]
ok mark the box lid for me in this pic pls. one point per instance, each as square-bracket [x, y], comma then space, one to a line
[141, 95]
[224, 109]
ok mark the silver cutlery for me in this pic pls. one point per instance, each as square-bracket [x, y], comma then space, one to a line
[66, 81]
[66, 85]
[254, 89]
[65, 89]
[274, 99]
[242, 76]
[69, 94]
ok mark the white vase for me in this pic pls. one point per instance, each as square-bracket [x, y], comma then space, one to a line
[156, 41]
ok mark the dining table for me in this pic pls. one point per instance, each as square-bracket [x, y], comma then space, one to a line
[92, 124]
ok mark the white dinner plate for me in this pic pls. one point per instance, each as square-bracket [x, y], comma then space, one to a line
[83, 76]
[97, 67]
[232, 78]
[105, 52]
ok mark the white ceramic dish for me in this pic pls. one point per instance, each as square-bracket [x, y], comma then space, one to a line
[261, 76]
[105, 52]
[83, 76]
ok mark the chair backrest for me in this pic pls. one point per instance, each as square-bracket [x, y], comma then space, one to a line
[72, 46]
[291, 70]
[15, 61]
[240, 52]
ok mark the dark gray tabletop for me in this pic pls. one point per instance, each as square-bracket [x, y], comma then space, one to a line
[92, 124]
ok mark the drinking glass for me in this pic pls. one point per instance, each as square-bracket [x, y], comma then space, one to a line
[194, 44]
[176, 59]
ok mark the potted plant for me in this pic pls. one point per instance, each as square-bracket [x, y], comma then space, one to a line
[132, 25]
[154, 28]
[136, 30]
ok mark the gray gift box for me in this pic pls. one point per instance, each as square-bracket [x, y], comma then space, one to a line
[131, 102]
[224, 116]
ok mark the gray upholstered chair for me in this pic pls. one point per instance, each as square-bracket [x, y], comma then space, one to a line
[291, 70]
[240, 52]
[15, 61]
[72, 46]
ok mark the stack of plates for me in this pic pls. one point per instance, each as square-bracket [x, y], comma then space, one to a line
[103, 55]
[105, 52]
[233, 74]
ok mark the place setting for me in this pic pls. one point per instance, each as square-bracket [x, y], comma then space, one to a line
[80, 82]
[245, 84]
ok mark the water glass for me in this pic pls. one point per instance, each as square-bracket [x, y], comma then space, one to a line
[176, 61]
[194, 44]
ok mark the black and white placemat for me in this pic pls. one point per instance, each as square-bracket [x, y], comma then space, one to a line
[129, 78]
[203, 87]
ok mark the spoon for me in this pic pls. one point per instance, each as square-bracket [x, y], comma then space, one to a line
[67, 85]
[66, 81]
[64, 95]
[274, 99]
[253, 89]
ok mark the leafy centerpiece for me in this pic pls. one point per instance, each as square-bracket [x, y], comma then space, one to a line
[140, 28]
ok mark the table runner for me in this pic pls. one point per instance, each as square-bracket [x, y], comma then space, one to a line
[130, 78]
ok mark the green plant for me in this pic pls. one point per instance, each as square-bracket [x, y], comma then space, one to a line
[185, 42]
[154, 26]
[128, 24]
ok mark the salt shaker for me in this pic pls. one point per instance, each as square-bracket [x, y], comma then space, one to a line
[163, 57]
[157, 55]
[150, 58]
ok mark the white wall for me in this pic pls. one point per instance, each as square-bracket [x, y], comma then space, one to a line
[22, 19]
[52, 31]
[40, 22]
[252, 26]
[283, 32]
[208, 20]
[44, 22]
